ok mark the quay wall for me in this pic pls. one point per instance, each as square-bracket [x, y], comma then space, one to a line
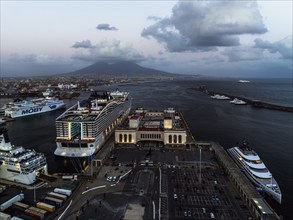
[253, 103]
[245, 187]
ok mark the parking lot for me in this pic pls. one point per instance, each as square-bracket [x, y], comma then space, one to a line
[208, 200]
[181, 195]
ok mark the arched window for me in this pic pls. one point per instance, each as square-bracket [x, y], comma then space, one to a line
[125, 137]
[120, 137]
[180, 139]
[170, 138]
[130, 138]
[175, 139]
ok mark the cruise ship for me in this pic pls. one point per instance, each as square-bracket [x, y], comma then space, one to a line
[18, 164]
[84, 127]
[254, 168]
[32, 107]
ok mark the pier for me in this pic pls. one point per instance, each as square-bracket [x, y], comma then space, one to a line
[253, 103]
[258, 206]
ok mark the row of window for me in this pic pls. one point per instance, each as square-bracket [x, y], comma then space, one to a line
[150, 136]
[174, 139]
[125, 138]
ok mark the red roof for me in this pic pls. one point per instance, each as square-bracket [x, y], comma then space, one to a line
[134, 117]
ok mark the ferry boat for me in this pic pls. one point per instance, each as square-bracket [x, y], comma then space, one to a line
[254, 168]
[18, 164]
[22, 108]
[84, 127]
[238, 102]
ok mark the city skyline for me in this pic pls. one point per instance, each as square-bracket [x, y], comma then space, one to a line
[210, 38]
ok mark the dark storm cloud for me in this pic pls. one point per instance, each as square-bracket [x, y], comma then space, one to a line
[83, 44]
[283, 47]
[203, 26]
[106, 27]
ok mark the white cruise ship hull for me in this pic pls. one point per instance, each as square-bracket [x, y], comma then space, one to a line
[79, 151]
[22, 112]
[253, 179]
[81, 148]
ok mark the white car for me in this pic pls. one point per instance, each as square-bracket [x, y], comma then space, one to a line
[175, 196]
[212, 215]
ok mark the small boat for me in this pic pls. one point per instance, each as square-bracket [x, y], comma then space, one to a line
[48, 93]
[243, 81]
[220, 97]
[238, 102]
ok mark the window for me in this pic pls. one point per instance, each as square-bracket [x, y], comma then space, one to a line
[120, 137]
[130, 138]
[175, 139]
[180, 139]
[125, 137]
[170, 138]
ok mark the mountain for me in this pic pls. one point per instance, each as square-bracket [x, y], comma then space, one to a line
[116, 69]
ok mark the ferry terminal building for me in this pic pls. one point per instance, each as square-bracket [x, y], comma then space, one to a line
[165, 126]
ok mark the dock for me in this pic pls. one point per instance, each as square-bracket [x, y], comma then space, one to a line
[253, 199]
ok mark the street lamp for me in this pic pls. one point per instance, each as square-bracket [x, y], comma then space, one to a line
[200, 165]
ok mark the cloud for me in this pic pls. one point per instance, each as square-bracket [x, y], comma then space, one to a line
[106, 27]
[204, 26]
[35, 64]
[242, 53]
[82, 44]
[109, 50]
[41, 59]
[283, 47]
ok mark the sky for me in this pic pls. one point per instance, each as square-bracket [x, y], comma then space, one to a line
[210, 38]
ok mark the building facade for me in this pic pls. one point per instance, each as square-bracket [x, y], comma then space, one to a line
[166, 127]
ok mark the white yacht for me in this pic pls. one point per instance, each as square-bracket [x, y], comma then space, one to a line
[254, 168]
[220, 97]
[238, 102]
[84, 127]
[243, 81]
[32, 107]
[18, 164]
[48, 93]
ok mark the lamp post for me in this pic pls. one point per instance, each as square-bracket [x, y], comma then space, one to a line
[34, 192]
[199, 165]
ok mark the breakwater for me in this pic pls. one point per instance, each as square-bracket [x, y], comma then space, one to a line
[253, 103]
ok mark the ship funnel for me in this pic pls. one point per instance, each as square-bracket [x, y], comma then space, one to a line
[4, 132]
[4, 140]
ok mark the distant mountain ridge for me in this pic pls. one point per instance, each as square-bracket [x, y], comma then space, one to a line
[125, 68]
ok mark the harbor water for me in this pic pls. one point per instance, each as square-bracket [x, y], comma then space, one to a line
[269, 132]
